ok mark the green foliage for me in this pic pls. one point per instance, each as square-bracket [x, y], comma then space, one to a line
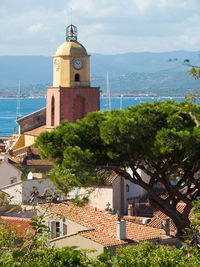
[79, 202]
[48, 257]
[25, 171]
[149, 255]
[196, 214]
[195, 72]
[33, 249]
[192, 235]
[8, 239]
[34, 252]
[67, 148]
[161, 138]
[151, 132]
[4, 199]
[11, 238]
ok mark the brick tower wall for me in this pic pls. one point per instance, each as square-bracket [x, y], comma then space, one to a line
[75, 103]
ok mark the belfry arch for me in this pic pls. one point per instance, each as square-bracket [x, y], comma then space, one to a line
[77, 77]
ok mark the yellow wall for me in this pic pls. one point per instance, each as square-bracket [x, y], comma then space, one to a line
[64, 76]
[20, 142]
[29, 140]
[81, 242]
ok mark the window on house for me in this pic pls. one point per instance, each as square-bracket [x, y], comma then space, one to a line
[127, 188]
[13, 180]
[77, 77]
[57, 229]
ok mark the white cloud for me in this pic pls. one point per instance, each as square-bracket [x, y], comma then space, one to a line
[37, 28]
[104, 26]
[143, 5]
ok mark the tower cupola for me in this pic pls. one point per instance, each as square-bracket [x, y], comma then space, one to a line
[71, 33]
[71, 97]
[71, 62]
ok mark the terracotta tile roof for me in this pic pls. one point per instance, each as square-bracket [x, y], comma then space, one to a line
[36, 131]
[108, 176]
[110, 179]
[35, 161]
[102, 225]
[156, 221]
[21, 224]
[39, 162]
[14, 160]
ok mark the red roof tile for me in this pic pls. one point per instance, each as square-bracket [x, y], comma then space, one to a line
[39, 162]
[21, 224]
[102, 225]
[36, 131]
[156, 221]
[110, 179]
[158, 217]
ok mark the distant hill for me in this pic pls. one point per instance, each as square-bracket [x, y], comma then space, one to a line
[28, 69]
[142, 62]
[159, 73]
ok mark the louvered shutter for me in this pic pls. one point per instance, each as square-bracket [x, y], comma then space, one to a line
[61, 228]
[50, 229]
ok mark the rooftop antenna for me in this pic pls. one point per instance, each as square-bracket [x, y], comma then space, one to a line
[71, 14]
[71, 31]
[108, 93]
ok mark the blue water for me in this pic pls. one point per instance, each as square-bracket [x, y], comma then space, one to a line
[8, 109]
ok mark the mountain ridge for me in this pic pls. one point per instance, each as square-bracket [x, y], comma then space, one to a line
[139, 72]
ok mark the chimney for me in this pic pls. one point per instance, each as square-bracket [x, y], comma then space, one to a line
[166, 226]
[121, 230]
[130, 210]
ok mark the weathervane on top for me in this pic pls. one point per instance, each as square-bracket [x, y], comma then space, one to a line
[71, 31]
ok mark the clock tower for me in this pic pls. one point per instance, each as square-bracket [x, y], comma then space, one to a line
[71, 97]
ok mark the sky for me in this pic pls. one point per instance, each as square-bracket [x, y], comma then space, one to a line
[37, 27]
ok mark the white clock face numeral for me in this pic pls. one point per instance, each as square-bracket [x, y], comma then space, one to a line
[56, 64]
[78, 64]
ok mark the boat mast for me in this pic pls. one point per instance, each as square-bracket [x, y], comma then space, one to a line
[121, 101]
[18, 115]
[108, 93]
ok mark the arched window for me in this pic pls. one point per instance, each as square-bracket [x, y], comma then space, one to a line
[52, 110]
[77, 77]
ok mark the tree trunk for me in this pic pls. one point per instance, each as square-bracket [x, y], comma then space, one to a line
[181, 223]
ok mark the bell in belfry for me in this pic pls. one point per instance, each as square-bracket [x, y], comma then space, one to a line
[71, 33]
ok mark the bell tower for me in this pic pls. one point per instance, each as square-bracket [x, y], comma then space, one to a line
[71, 97]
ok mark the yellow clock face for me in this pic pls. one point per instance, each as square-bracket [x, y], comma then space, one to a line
[57, 64]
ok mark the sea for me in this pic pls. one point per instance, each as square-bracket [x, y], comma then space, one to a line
[11, 108]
